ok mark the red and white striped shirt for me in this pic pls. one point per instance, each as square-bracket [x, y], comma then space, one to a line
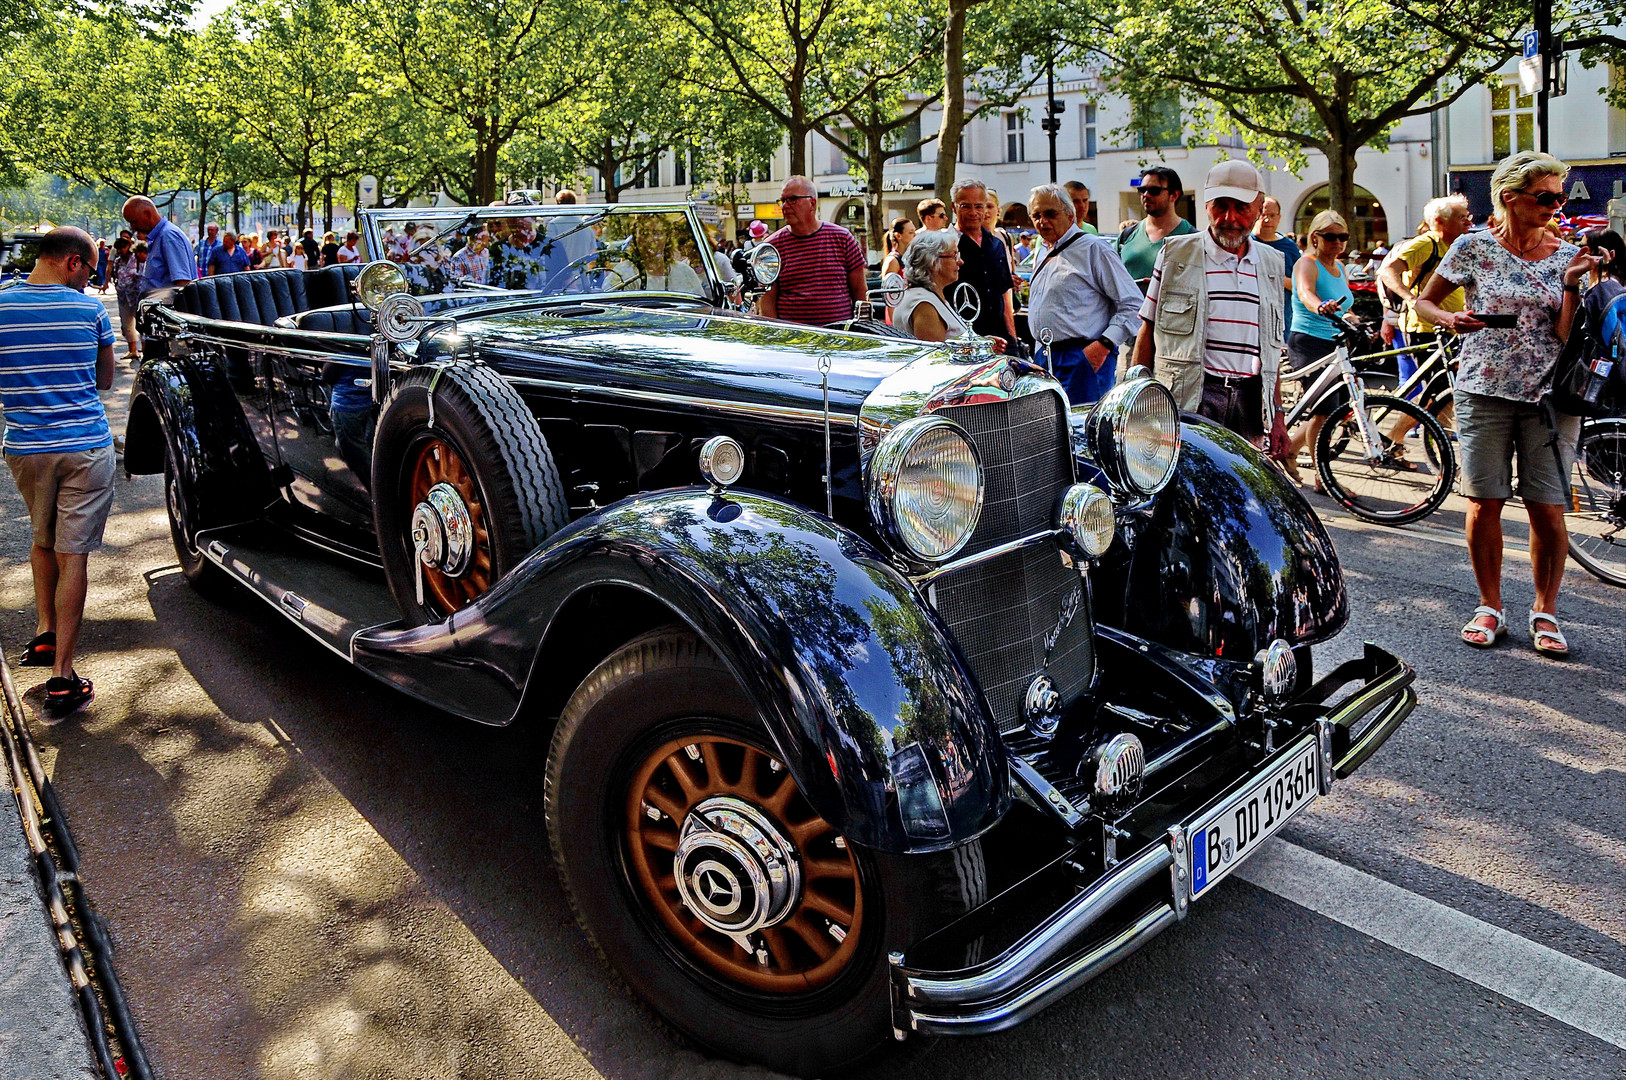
[813, 275]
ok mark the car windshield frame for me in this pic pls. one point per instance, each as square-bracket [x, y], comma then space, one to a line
[549, 279]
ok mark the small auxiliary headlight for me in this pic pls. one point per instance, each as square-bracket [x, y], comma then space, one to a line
[925, 487]
[722, 461]
[1086, 516]
[1278, 670]
[1134, 435]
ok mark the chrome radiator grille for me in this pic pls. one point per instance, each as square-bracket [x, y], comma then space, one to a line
[1015, 616]
[1026, 462]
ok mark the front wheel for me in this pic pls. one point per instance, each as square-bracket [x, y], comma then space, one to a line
[711, 885]
[1597, 517]
[1387, 483]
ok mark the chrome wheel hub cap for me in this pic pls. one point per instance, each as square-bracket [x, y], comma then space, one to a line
[735, 871]
[442, 534]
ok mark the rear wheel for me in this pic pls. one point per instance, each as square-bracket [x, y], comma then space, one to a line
[1597, 517]
[203, 575]
[709, 882]
[1396, 481]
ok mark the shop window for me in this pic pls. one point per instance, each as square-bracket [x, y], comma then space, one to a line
[1513, 120]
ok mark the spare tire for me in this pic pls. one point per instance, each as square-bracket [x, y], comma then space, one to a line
[464, 487]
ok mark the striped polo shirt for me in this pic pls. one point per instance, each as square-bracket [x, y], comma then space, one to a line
[813, 274]
[1231, 327]
[49, 338]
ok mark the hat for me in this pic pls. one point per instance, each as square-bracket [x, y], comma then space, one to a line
[1237, 180]
[758, 229]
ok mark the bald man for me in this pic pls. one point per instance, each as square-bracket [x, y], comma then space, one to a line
[169, 257]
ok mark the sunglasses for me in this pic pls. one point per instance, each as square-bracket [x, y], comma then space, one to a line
[1145, 191]
[1547, 200]
[1335, 237]
[1048, 214]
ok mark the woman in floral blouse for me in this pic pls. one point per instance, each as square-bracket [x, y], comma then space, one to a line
[1514, 273]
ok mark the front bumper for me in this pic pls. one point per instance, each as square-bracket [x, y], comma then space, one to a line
[1150, 890]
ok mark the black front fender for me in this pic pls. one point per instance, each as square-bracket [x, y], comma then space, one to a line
[1229, 557]
[856, 680]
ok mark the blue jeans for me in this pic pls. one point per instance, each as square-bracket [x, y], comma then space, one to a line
[1083, 383]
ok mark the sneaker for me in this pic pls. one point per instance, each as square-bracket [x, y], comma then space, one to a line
[64, 695]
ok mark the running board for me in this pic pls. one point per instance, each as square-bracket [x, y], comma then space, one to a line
[328, 598]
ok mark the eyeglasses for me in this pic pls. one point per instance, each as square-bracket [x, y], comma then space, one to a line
[1048, 214]
[788, 199]
[970, 205]
[1547, 200]
[1334, 237]
[1145, 190]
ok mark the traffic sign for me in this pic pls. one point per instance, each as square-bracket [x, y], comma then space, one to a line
[367, 190]
[1532, 44]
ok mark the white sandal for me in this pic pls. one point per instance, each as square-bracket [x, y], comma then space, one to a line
[1555, 635]
[1490, 634]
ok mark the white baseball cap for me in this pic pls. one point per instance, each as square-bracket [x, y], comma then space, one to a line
[1233, 179]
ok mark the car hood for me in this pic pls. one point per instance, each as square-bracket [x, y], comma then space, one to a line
[692, 354]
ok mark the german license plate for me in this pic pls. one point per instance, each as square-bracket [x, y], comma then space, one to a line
[1233, 831]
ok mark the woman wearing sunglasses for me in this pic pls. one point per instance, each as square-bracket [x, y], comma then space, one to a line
[1519, 310]
[1321, 303]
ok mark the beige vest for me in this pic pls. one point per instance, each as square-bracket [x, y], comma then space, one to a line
[1178, 331]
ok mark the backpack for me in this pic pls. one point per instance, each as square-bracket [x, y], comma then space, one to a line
[1392, 301]
[1590, 380]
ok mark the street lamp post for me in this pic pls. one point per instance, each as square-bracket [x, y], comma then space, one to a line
[1051, 123]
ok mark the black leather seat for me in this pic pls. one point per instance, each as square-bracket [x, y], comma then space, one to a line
[263, 296]
[345, 319]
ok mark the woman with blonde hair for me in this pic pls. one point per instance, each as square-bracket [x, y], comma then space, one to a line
[1518, 315]
[1320, 306]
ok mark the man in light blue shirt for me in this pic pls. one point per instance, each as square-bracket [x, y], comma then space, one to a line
[205, 251]
[169, 256]
[1083, 295]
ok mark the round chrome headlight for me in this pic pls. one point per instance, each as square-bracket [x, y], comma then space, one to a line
[925, 487]
[377, 280]
[765, 264]
[1086, 516]
[1134, 435]
[722, 461]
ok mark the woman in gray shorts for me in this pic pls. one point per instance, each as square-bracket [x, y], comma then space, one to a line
[1518, 313]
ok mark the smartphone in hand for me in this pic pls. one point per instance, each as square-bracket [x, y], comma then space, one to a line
[1496, 319]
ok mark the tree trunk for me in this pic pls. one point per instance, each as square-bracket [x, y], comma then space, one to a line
[1341, 180]
[875, 146]
[236, 212]
[948, 136]
[327, 204]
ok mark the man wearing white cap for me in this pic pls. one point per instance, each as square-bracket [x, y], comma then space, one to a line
[1211, 324]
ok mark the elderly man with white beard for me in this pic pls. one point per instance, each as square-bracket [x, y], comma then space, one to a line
[1211, 325]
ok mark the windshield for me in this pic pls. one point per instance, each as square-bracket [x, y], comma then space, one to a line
[590, 249]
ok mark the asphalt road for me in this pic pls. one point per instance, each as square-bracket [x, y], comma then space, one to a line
[308, 875]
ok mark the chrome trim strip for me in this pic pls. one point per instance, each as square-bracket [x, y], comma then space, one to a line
[987, 554]
[1053, 986]
[195, 324]
[1046, 942]
[220, 558]
[733, 408]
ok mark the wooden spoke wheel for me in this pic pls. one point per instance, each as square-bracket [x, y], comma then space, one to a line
[749, 881]
[452, 538]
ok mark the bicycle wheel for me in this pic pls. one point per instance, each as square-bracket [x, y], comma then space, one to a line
[1597, 517]
[1385, 486]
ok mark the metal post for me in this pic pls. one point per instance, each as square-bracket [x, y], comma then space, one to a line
[1544, 47]
[1052, 123]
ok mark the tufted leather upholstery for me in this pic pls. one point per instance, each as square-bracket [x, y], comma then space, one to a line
[337, 320]
[263, 296]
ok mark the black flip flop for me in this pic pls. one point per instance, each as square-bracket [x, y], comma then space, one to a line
[41, 652]
[64, 695]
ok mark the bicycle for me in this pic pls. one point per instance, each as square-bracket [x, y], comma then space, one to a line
[1433, 385]
[1597, 515]
[1362, 468]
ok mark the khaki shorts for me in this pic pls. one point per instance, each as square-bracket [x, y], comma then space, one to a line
[68, 496]
[1490, 430]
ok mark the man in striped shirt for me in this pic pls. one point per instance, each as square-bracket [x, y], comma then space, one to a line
[56, 352]
[1212, 318]
[821, 266]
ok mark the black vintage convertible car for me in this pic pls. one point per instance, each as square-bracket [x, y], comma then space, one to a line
[888, 695]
